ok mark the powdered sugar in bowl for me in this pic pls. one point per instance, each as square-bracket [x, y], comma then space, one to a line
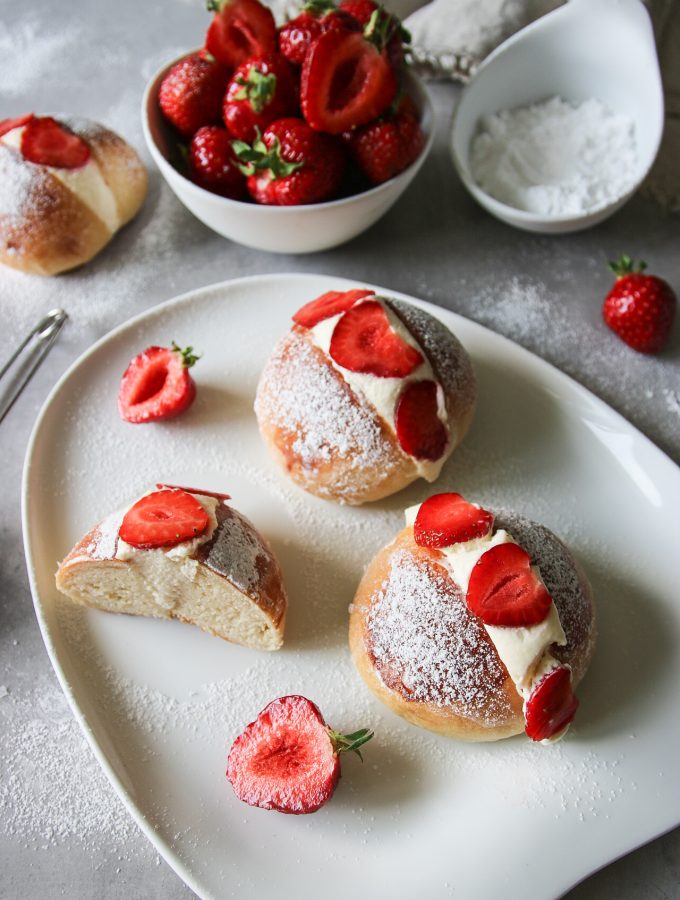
[554, 134]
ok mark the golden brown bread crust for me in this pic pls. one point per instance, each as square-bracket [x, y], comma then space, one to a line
[329, 439]
[443, 672]
[44, 227]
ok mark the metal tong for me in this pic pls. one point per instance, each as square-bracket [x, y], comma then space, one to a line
[36, 345]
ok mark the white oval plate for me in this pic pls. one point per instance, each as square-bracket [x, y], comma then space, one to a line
[160, 702]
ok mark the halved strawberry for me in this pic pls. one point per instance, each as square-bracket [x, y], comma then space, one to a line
[364, 341]
[7, 125]
[47, 143]
[316, 17]
[504, 589]
[420, 431]
[288, 758]
[328, 305]
[240, 29]
[163, 519]
[157, 384]
[178, 487]
[551, 706]
[345, 82]
[446, 519]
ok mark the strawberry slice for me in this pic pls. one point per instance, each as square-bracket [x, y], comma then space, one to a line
[157, 384]
[504, 589]
[7, 125]
[551, 706]
[364, 341]
[446, 519]
[346, 81]
[328, 305]
[240, 29]
[47, 143]
[288, 758]
[163, 519]
[420, 431]
[178, 487]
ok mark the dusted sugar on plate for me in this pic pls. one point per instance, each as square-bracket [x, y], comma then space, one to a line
[555, 158]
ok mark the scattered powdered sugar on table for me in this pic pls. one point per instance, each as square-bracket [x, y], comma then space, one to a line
[555, 158]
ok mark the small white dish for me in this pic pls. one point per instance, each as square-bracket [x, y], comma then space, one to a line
[587, 48]
[280, 229]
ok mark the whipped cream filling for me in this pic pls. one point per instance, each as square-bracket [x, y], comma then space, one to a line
[525, 650]
[383, 393]
[86, 182]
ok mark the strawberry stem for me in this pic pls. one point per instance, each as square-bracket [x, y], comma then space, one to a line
[259, 156]
[257, 88]
[344, 743]
[625, 266]
[189, 358]
[318, 8]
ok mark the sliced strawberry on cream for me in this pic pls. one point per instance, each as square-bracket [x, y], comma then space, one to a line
[364, 341]
[47, 143]
[505, 590]
[420, 431]
[507, 593]
[329, 304]
[162, 519]
[445, 519]
[551, 706]
[288, 758]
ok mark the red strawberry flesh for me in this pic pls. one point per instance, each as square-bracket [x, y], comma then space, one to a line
[446, 519]
[364, 341]
[504, 590]
[240, 29]
[551, 706]
[420, 431]
[156, 385]
[285, 759]
[7, 125]
[163, 519]
[47, 143]
[328, 305]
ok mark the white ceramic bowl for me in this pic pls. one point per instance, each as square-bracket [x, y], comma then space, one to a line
[587, 48]
[280, 229]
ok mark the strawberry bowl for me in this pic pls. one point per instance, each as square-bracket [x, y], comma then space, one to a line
[278, 229]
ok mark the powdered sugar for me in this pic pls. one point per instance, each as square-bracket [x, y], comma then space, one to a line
[554, 158]
[429, 648]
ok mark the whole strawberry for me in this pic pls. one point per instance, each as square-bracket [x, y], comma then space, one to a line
[260, 91]
[212, 164]
[639, 308]
[387, 146]
[316, 17]
[291, 164]
[190, 95]
[288, 758]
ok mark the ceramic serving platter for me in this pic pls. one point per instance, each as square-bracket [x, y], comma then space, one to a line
[160, 702]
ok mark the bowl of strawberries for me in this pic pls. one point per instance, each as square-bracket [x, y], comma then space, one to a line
[290, 139]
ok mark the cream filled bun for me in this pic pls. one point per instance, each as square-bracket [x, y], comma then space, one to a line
[182, 553]
[474, 625]
[364, 395]
[66, 187]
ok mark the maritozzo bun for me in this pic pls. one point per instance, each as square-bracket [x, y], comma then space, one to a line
[182, 554]
[420, 644]
[66, 187]
[364, 395]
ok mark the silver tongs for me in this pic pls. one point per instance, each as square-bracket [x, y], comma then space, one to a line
[28, 356]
